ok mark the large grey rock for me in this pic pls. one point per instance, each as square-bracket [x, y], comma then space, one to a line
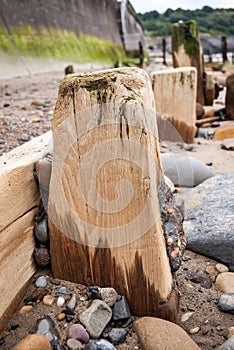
[209, 219]
[228, 345]
[184, 171]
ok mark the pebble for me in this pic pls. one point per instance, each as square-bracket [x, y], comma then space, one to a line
[109, 295]
[211, 269]
[33, 342]
[41, 256]
[194, 330]
[24, 137]
[117, 335]
[62, 290]
[41, 282]
[41, 232]
[61, 316]
[43, 326]
[96, 317]
[225, 282]
[46, 327]
[221, 268]
[186, 316]
[25, 309]
[55, 282]
[39, 294]
[74, 344]
[78, 332]
[201, 277]
[72, 302]
[60, 301]
[228, 345]
[230, 332]
[48, 300]
[60, 347]
[215, 124]
[121, 309]
[226, 303]
[101, 344]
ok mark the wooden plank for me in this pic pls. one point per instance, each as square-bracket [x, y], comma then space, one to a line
[18, 189]
[16, 263]
[19, 197]
[104, 210]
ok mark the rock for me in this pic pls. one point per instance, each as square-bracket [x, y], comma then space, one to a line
[55, 282]
[62, 290]
[60, 347]
[77, 331]
[224, 132]
[46, 327]
[117, 335]
[228, 144]
[230, 332]
[169, 183]
[225, 282]
[41, 282]
[221, 268]
[174, 164]
[72, 302]
[25, 309]
[158, 334]
[101, 344]
[60, 301]
[209, 220]
[41, 256]
[215, 124]
[24, 137]
[69, 69]
[74, 344]
[33, 342]
[194, 330]
[186, 316]
[48, 300]
[121, 309]
[228, 345]
[109, 295]
[202, 278]
[96, 317]
[41, 232]
[229, 99]
[226, 303]
[61, 316]
[39, 294]
[200, 111]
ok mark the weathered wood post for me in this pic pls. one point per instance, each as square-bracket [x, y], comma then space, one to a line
[164, 44]
[187, 51]
[175, 99]
[107, 191]
[224, 49]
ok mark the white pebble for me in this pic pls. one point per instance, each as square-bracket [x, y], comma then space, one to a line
[60, 301]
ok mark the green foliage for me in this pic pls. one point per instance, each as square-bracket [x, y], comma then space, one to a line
[209, 20]
[59, 44]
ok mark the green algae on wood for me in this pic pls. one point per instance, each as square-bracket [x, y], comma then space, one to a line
[186, 34]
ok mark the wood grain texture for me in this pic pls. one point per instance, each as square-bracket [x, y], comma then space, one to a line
[104, 210]
[19, 197]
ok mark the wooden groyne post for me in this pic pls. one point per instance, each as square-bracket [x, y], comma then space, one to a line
[107, 190]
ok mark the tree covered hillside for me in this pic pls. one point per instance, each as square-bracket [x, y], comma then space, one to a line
[209, 20]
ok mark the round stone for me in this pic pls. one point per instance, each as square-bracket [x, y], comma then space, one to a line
[78, 332]
[60, 301]
[41, 282]
[32, 342]
[221, 268]
[25, 309]
[41, 232]
[61, 316]
[74, 344]
[109, 295]
[41, 256]
[48, 300]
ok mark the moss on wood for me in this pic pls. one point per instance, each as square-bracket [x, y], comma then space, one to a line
[186, 34]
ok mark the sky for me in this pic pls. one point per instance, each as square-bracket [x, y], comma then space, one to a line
[162, 5]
